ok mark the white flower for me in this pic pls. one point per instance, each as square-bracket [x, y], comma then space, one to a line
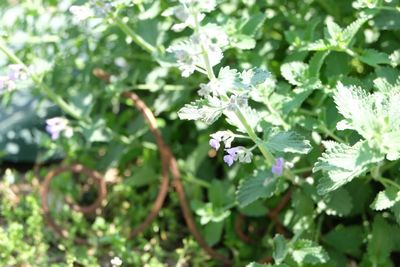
[116, 262]
[213, 35]
[81, 12]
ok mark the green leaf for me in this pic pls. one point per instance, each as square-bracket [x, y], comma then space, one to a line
[316, 63]
[338, 202]
[340, 236]
[254, 23]
[306, 251]
[355, 105]
[381, 243]
[342, 163]
[213, 232]
[255, 209]
[243, 42]
[351, 30]
[374, 58]
[288, 142]
[295, 72]
[203, 110]
[262, 185]
[333, 30]
[386, 199]
[280, 249]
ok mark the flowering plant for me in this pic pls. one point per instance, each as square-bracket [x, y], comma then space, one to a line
[283, 115]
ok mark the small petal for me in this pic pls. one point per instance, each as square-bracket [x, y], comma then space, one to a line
[214, 144]
[229, 160]
[277, 168]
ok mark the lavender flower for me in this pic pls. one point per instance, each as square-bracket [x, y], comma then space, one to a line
[56, 126]
[229, 160]
[214, 144]
[237, 153]
[221, 136]
[277, 168]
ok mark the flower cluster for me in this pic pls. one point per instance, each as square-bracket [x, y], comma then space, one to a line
[15, 72]
[57, 125]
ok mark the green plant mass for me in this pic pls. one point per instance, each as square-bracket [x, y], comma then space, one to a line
[259, 133]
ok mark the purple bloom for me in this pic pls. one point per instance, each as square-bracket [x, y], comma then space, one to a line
[234, 151]
[214, 143]
[277, 168]
[229, 160]
[55, 126]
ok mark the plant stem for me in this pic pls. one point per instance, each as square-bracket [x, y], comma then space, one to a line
[267, 155]
[135, 37]
[386, 181]
[68, 109]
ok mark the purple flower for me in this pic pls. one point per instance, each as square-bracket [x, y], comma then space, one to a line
[214, 143]
[56, 126]
[229, 159]
[277, 168]
[234, 151]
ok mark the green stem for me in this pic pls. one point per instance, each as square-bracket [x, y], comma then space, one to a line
[135, 37]
[386, 181]
[331, 134]
[267, 155]
[68, 109]
[190, 178]
[210, 71]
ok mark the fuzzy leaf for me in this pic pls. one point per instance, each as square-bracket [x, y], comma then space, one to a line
[200, 110]
[351, 30]
[280, 249]
[254, 23]
[355, 105]
[386, 199]
[288, 142]
[338, 202]
[306, 251]
[295, 73]
[316, 63]
[263, 185]
[342, 163]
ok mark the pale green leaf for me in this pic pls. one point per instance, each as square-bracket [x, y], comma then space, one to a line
[296, 73]
[342, 163]
[280, 249]
[254, 23]
[200, 110]
[306, 251]
[288, 142]
[386, 199]
[351, 30]
[262, 185]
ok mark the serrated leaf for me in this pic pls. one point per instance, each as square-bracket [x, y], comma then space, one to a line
[316, 63]
[386, 199]
[306, 251]
[374, 58]
[280, 249]
[295, 73]
[351, 30]
[263, 185]
[254, 23]
[381, 243]
[342, 163]
[200, 110]
[287, 142]
[333, 29]
[355, 105]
